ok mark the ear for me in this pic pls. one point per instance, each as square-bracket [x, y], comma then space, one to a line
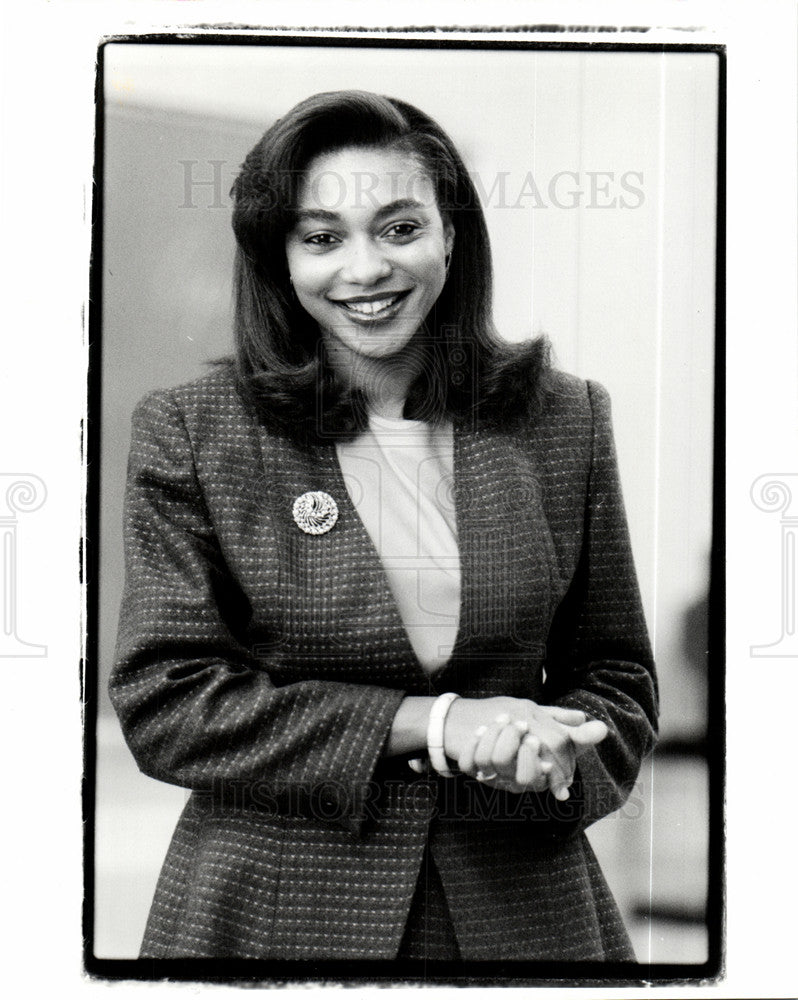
[448, 236]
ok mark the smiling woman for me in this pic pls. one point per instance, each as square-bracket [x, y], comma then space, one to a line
[380, 614]
[370, 272]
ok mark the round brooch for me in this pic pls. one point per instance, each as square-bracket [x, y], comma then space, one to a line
[316, 512]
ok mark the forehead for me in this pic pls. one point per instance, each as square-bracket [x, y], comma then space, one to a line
[363, 179]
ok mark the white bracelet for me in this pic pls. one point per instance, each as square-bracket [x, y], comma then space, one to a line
[437, 718]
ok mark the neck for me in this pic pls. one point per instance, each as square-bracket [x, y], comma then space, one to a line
[384, 381]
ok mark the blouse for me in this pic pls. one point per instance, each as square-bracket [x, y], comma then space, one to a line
[399, 476]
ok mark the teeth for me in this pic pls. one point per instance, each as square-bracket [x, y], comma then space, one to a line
[371, 308]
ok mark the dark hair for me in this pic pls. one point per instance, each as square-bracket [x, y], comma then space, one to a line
[280, 361]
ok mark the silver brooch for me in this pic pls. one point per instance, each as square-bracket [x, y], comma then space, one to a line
[316, 512]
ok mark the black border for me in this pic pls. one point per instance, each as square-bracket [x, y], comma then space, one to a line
[268, 972]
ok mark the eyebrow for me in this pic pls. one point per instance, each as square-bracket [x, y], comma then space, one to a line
[399, 205]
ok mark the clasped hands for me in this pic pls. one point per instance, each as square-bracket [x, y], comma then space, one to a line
[517, 745]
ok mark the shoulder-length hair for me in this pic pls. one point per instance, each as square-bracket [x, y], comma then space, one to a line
[280, 361]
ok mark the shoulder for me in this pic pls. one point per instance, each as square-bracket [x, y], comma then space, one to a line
[208, 424]
[524, 390]
[571, 426]
[569, 401]
[207, 406]
[214, 391]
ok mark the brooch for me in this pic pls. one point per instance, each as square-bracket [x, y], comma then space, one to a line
[316, 512]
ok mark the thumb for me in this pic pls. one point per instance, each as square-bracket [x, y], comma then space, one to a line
[565, 716]
[589, 733]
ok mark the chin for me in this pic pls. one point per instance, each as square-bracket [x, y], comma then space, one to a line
[376, 344]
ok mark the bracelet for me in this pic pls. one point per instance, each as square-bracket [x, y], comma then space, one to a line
[437, 718]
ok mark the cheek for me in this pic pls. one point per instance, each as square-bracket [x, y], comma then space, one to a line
[424, 261]
[308, 275]
[433, 270]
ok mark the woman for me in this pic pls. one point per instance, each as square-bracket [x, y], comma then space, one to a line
[380, 612]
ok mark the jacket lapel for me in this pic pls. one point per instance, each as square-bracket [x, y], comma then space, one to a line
[506, 557]
[337, 612]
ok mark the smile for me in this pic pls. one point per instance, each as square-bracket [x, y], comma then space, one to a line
[372, 309]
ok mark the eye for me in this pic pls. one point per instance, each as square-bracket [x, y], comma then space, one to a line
[321, 240]
[402, 230]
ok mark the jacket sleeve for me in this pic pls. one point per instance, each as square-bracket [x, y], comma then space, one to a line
[599, 657]
[196, 708]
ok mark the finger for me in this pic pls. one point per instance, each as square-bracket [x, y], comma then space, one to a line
[483, 756]
[560, 783]
[505, 749]
[565, 716]
[562, 760]
[588, 734]
[528, 773]
[466, 759]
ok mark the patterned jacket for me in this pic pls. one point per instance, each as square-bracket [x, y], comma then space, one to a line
[261, 667]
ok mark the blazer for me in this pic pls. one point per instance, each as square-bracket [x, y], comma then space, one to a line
[261, 667]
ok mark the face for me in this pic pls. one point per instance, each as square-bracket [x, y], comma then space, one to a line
[367, 255]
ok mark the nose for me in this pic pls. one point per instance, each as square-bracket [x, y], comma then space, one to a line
[366, 263]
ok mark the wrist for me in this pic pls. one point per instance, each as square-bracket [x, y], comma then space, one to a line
[409, 728]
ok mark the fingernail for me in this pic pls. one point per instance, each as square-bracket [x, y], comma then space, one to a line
[545, 766]
[521, 725]
[481, 730]
[562, 794]
[502, 719]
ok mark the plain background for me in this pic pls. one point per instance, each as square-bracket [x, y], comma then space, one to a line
[598, 176]
[47, 126]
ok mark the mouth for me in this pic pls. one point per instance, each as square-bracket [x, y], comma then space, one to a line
[373, 308]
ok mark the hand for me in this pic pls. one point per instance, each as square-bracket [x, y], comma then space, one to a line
[505, 755]
[524, 746]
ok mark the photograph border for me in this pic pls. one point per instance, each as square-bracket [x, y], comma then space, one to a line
[362, 973]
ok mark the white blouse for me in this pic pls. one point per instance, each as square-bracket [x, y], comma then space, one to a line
[400, 477]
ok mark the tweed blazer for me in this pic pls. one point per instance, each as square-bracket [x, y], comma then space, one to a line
[261, 667]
